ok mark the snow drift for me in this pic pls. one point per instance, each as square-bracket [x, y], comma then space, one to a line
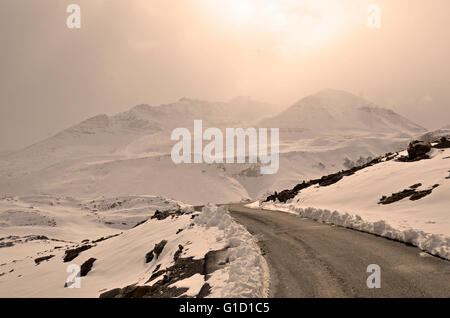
[354, 201]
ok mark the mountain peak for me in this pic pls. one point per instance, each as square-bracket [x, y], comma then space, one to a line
[331, 111]
[334, 99]
[191, 100]
[241, 99]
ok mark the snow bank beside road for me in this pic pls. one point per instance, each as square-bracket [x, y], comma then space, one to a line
[433, 243]
[247, 274]
[142, 245]
[353, 202]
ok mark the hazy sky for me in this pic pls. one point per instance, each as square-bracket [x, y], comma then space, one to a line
[157, 51]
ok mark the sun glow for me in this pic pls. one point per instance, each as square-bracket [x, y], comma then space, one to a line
[294, 23]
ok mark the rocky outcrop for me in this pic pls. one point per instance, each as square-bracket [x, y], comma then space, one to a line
[162, 215]
[182, 269]
[412, 193]
[157, 250]
[443, 143]
[43, 258]
[71, 254]
[87, 266]
[418, 150]
[325, 181]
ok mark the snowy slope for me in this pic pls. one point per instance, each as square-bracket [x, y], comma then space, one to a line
[354, 202]
[129, 153]
[323, 130]
[435, 135]
[121, 233]
[331, 111]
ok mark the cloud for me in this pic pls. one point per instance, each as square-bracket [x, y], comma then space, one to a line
[151, 51]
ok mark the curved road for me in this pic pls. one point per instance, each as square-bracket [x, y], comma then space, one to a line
[310, 259]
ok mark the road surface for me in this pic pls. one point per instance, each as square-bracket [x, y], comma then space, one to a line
[310, 259]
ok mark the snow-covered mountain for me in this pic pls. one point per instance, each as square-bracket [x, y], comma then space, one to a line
[436, 134]
[129, 153]
[334, 111]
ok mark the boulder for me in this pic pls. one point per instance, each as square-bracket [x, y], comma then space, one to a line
[418, 149]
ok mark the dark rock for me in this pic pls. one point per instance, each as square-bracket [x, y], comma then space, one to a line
[157, 250]
[418, 150]
[420, 194]
[160, 215]
[389, 156]
[204, 291]
[87, 266]
[73, 253]
[140, 223]
[177, 254]
[157, 268]
[6, 244]
[44, 258]
[110, 294]
[328, 180]
[105, 238]
[152, 292]
[165, 214]
[412, 193]
[443, 143]
[182, 269]
[396, 196]
[149, 257]
[157, 274]
[286, 195]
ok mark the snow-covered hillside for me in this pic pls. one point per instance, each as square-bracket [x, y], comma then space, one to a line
[132, 246]
[129, 153]
[334, 111]
[406, 201]
[435, 135]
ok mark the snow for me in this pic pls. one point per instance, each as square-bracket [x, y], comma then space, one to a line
[193, 283]
[120, 259]
[432, 136]
[129, 153]
[338, 111]
[353, 202]
[248, 273]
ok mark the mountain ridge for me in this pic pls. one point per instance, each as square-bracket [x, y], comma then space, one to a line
[129, 153]
[334, 110]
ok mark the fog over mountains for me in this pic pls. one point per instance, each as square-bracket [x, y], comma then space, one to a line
[129, 153]
[338, 111]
